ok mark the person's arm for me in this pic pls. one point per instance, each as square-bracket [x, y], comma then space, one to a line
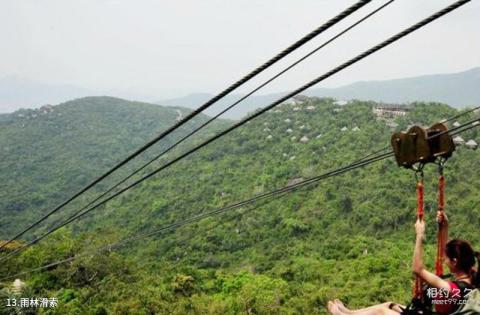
[418, 267]
[443, 224]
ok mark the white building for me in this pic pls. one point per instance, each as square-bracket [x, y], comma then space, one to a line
[458, 140]
[340, 102]
[472, 144]
[390, 111]
[18, 286]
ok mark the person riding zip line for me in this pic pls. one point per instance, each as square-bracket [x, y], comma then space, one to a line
[460, 259]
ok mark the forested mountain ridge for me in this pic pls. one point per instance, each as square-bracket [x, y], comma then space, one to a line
[50, 153]
[350, 237]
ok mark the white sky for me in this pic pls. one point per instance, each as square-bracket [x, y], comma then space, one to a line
[170, 48]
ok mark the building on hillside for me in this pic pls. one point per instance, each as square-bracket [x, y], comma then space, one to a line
[18, 286]
[458, 141]
[340, 102]
[300, 99]
[471, 144]
[296, 100]
[304, 139]
[390, 111]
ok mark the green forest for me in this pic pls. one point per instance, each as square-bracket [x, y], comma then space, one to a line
[348, 237]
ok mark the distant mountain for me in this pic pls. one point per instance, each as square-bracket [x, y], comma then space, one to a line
[455, 89]
[18, 93]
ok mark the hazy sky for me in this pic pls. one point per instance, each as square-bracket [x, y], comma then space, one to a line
[166, 49]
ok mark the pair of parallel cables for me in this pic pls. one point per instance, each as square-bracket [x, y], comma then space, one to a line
[299, 90]
[265, 198]
[255, 72]
[190, 116]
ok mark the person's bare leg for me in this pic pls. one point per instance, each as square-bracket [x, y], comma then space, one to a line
[380, 309]
[333, 309]
[342, 307]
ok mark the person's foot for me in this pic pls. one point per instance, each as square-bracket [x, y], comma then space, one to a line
[341, 306]
[333, 309]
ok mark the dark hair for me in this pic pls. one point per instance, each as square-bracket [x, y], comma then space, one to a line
[463, 252]
[476, 274]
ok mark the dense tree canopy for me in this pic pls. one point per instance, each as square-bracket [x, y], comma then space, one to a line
[349, 237]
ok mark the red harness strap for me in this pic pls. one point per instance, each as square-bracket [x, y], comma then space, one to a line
[440, 241]
[417, 290]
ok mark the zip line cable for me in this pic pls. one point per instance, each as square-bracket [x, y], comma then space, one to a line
[472, 125]
[282, 192]
[459, 129]
[281, 100]
[201, 216]
[190, 116]
[228, 108]
[221, 222]
[359, 163]
[188, 238]
[233, 206]
[461, 114]
[443, 121]
[263, 110]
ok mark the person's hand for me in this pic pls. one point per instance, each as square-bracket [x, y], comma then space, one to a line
[442, 217]
[420, 228]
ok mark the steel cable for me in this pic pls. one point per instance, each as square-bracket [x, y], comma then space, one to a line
[191, 115]
[368, 52]
[163, 153]
[355, 165]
